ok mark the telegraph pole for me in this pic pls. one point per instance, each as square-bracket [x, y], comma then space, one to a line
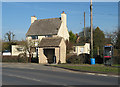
[91, 27]
[84, 31]
[84, 27]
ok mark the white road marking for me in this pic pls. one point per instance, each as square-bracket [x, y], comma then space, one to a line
[91, 73]
[28, 78]
[102, 74]
[115, 76]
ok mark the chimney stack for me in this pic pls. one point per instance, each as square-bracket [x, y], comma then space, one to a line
[64, 18]
[33, 18]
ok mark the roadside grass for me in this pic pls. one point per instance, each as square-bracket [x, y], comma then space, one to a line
[100, 68]
[116, 65]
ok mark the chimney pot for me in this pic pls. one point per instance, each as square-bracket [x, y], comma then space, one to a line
[33, 18]
[64, 18]
[63, 12]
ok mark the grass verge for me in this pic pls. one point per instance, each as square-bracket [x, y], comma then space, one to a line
[90, 68]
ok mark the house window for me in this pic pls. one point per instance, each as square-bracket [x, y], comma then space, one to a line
[74, 49]
[19, 49]
[48, 36]
[82, 50]
[34, 37]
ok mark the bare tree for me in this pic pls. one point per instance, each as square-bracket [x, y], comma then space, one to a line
[9, 36]
[0, 46]
[9, 40]
[28, 46]
[118, 40]
[111, 37]
[69, 46]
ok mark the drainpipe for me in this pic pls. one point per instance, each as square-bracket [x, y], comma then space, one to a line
[59, 57]
[77, 51]
[37, 53]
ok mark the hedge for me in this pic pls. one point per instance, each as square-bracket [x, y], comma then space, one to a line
[9, 58]
[116, 60]
[81, 59]
[85, 58]
[21, 59]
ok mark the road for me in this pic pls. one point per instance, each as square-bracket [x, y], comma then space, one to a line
[37, 74]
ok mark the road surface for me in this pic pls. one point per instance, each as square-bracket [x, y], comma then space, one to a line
[37, 74]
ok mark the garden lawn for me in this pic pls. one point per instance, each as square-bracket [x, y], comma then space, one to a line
[90, 68]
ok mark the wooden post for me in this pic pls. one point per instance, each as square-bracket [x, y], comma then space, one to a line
[98, 52]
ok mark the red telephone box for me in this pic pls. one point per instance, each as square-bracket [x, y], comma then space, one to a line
[108, 54]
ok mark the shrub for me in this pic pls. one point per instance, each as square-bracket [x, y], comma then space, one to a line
[22, 58]
[9, 58]
[99, 59]
[81, 59]
[116, 60]
[34, 60]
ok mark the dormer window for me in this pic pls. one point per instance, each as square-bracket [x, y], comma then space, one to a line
[34, 37]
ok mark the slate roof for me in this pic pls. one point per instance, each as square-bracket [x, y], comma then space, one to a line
[45, 27]
[50, 42]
